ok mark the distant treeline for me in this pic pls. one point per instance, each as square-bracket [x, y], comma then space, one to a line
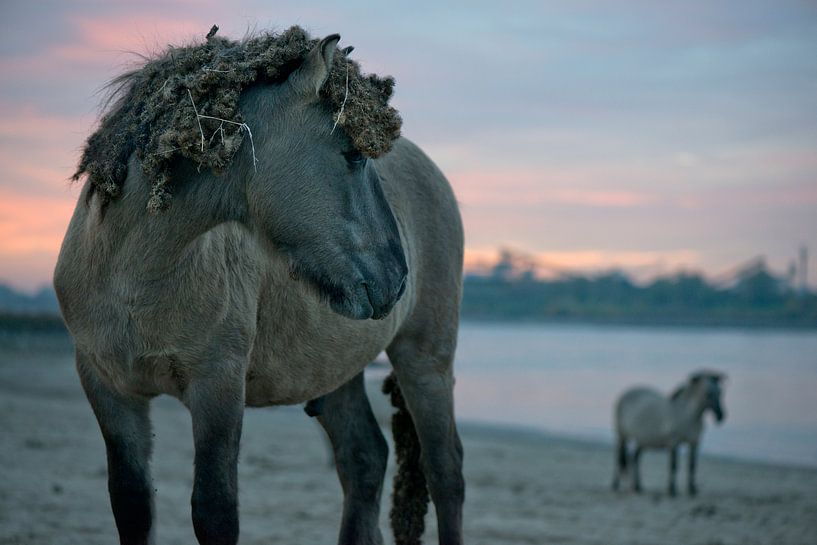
[18, 322]
[15, 302]
[686, 299]
[756, 299]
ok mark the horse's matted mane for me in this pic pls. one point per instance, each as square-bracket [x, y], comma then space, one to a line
[158, 108]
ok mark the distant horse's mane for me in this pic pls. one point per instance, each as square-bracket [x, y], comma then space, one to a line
[157, 109]
[693, 379]
[679, 391]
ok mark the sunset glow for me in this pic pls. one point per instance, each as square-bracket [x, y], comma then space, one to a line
[642, 138]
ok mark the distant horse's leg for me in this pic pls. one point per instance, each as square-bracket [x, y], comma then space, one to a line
[637, 468]
[361, 455]
[673, 469]
[125, 426]
[621, 462]
[217, 407]
[425, 376]
[693, 458]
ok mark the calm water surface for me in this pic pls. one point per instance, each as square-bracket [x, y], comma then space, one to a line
[566, 378]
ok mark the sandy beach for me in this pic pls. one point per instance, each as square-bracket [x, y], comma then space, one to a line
[522, 487]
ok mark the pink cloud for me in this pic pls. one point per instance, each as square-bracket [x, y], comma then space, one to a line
[31, 224]
[103, 42]
[39, 151]
[545, 264]
[614, 199]
[737, 178]
[24, 121]
[528, 187]
[32, 175]
[143, 33]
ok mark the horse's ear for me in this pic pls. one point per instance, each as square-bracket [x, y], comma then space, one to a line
[314, 71]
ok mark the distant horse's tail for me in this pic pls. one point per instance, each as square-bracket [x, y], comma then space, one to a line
[410, 496]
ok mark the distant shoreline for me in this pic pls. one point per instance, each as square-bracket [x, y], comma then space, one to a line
[48, 323]
[521, 433]
[644, 322]
[31, 322]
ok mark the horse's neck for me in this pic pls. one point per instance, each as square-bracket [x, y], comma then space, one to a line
[161, 239]
[688, 410]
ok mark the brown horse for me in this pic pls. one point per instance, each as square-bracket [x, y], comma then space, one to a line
[221, 301]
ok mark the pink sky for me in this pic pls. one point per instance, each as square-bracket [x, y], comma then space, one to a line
[591, 142]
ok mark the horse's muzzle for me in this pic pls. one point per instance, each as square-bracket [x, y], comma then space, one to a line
[384, 280]
[383, 300]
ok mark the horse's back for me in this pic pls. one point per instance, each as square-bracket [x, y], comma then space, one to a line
[643, 414]
[424, 204]
[426, 210]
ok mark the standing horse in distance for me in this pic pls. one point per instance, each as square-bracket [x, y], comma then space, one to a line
[271, 282]
[651, 420]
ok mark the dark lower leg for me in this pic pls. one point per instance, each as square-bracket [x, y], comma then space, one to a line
[621, 462]
[361, 454]
[637, 469]
[215, 499]
[447, 488]
[131, 494]
[673, 469]
[125, 425]
[217, 417]
[693, 458]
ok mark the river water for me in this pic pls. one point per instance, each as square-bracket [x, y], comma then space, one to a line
[565, 379]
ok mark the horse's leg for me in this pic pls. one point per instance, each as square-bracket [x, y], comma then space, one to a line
[621, 462]
[424, 371]
[673, 469]
[361, 455]
[125, 426]
[693, 458]
[216, 406]
[637, 468]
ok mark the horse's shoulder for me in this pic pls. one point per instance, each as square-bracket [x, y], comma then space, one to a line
[639, 393]
[409, 166]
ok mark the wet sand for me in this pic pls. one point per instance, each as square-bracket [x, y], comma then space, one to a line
[522, 487]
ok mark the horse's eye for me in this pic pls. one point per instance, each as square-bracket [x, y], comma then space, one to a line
[354, 157]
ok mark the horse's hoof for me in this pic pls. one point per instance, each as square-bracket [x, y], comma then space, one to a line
[672, 492]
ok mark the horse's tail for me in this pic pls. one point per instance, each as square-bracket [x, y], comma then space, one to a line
[410, 496]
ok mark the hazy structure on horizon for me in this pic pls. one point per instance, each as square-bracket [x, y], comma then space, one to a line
[514, 265]
[803, 270]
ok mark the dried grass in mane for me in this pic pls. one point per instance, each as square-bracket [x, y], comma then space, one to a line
[158, 109]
